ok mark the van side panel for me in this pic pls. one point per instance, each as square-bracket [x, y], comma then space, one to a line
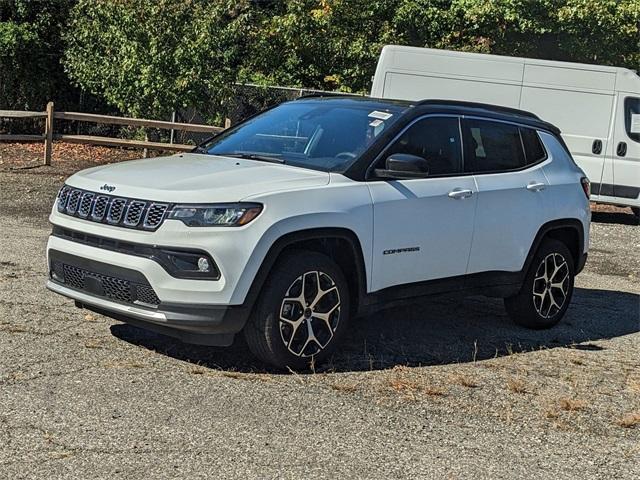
[578, 98]
[580, 102]
[410, 86]
[411, 73]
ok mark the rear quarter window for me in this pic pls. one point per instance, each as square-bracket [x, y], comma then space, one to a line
[534, 152]
[493, 147]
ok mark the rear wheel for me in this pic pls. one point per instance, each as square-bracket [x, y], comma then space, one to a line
[301, 313]
[547, 289]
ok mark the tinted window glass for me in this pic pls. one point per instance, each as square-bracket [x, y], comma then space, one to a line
[437, 140]
[631, 108]
[533, 149]
[491, 146]
[321, 134]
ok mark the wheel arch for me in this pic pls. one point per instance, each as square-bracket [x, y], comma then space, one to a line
[342, 245]
[569, 231]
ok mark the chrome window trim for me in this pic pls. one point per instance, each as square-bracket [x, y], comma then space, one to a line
[369, 176]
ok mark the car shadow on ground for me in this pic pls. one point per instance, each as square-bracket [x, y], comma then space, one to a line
[619, 218]
[431, 332]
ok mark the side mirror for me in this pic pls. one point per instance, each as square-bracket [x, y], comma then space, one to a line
[404, 166]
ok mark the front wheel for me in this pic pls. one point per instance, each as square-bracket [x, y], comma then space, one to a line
[547, 289]
[301, 313]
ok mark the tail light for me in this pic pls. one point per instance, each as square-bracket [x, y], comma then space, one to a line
[586, 186]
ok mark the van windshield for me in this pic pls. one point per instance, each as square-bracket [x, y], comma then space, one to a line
[320, 134]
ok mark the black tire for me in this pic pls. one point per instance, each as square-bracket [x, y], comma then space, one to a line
[540, 310]
[288, 343]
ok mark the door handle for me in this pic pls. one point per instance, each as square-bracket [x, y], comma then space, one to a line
[622, 149]
[535, 186]
[596, 148]
[460, 193]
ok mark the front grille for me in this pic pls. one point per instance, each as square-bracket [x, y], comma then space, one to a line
[84, 208]
[146, 294]
[100, 208]
[155, 214]
[114, 288]
[74, 200]
[116, 210]
[134, 213]
[123, 212]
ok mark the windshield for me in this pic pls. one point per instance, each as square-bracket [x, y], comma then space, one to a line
[321, 134]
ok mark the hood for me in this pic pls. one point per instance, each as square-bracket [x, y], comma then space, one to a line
[195, 178]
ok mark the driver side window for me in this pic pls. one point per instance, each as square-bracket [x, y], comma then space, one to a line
[437, 140]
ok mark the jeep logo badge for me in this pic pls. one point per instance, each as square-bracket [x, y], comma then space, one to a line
[108, 188]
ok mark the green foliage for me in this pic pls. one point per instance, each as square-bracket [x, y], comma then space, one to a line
[335, 43]
[150, 57]
[30, 50]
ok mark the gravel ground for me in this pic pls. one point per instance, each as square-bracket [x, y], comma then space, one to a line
[440, 389]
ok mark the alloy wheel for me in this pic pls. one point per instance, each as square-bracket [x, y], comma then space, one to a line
[551, 285]
[309, 314]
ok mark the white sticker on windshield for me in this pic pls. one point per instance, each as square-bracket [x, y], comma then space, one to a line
[375, 123]
[380, 115]
[635, 122]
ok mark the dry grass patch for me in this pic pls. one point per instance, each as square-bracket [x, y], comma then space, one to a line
[344, 387]
[551, 413]
[93, 343]
[463, 380]
[196, 370]
[630, 420]
[517, 385]
[408, 388]
[633, 384]
[572, 404]
[411, 386]
[13, 328]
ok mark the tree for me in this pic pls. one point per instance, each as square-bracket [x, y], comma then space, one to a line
[30, 50]
[150, 57]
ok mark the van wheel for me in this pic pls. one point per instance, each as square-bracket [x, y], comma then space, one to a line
[547, 289]
[301, 313]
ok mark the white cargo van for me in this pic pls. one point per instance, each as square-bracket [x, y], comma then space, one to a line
[596, 107]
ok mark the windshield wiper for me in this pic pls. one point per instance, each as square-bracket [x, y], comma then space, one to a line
[253, 156]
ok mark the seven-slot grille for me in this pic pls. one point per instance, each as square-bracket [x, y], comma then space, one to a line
[113, 288]
[124, 212]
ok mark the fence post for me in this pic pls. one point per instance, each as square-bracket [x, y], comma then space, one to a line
[48, 134]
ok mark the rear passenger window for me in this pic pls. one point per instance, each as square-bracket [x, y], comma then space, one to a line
[499, 147]
[533, 150]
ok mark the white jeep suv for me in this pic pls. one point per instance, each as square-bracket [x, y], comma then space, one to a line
[318, 210]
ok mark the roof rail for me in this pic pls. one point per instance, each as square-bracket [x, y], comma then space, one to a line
[328, 94]
[485, 106]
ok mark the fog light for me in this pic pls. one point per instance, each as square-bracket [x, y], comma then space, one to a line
[203, 264]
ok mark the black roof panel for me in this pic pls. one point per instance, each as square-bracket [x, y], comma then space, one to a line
[495, 112]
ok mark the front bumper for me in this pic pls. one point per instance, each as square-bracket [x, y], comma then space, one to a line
[202, 325]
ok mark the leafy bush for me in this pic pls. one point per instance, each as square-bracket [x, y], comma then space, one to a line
[30, 51]
[151, 57]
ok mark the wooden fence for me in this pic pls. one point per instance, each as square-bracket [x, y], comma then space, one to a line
[50, 115]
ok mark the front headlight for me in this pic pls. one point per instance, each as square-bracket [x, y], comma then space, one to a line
[216, 215]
